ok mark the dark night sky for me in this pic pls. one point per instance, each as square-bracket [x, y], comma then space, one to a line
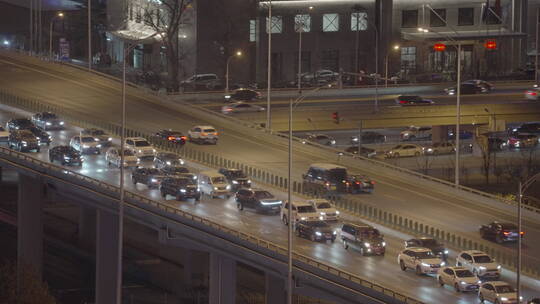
[47, 4]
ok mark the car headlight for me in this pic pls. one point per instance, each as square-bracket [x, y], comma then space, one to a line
[138, 160]
[109, 139]
[85, 146]
[483, 268]
[61, 123]
[235, 182]
[479, 282]
[153, 180]
[337, 212]
[66, 157]
[498, 267]
[99, 146]
[215, 188]
[169, 163]
[384, 244]
[446, 251]
[430, 150]
[463, 283]
[48, 123]
[228, 187]
[303, 218]
[321, 218]
[249, 181]
[96, 139]
[38, 138]
[183, 190]
[182, 162]
[367, 245]
[317, 233]
[154, 150]
[504, 299]
[425, 265]
[334, 232]
[443, 263]
[140, 151]
[323, 213]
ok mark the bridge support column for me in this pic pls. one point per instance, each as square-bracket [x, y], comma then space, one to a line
[1, 174]
[439, 134]
[275, 290]
[87, 227]
[106, 257]
[195, 270]
[222, 279]
[30, 225]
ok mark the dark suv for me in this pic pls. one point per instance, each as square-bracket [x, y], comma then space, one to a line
[151, 177]
[258, 199]
[47, 121]
[23, 141]
[364, 238]
[66, 155]
[180, 187]
[176, 137]
[19, 124]
[171, 170]
[437, 248]
[327, 177]
[360, 183]
[236, 178]
[164, 159]
[315, 231]
[41, 135]
[500, 232]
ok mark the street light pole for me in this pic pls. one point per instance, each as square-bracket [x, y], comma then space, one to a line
[269, 68]
[238, 53]
[458, 112]
[536, 53]
[59, 15]
[300, 30]
[376, 68]
[89, 35]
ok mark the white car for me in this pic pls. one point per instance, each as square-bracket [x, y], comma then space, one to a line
[241, 107]
[112, 157]
[461, 278]
[532, 93]
[140, 147]
[480, 263]
[402, 150]
[203, 134]
[301, 211]
[416, 133]
[85, 144]
[4, 134]
[325, 209]
[422, 260]
[498, 292]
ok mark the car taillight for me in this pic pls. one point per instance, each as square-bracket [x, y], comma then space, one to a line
[522, 233]
[215, 133]
[532, 93]
[183, 137]
[506, 232]
[372, 182]
[402, 101]
[171, 138]
[204, 133]
[358, 183]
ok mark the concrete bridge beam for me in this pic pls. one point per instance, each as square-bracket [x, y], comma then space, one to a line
[106, 257]
[87, 227]
[222, 279]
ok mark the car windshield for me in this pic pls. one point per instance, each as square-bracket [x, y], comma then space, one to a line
[504, 289]
[218, 180]
[128, 153]
[324, 205]
[319, 224]
[49, 116]
[33, 129]
[429, 242]
[142, 143]
[425, 255]
[87, 139]
[305, 209]
[177, 170]
[482, 259]
[27, 136]
[97, 132]
[509, 227]
[464, 273]
[263, 194]
[209, 130]
[153, 171]
[371, 233]
[23, 122]
[237, 174]
[337, 174]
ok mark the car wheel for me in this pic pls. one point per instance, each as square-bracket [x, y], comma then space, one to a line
[345, 245]
[458, 264]
[38, 149]
[197, 198]
[481, 297]
[179, 197]
[417, 153]
[456, 287]
[441, 283]
[297, 232]
[134, 181]
[418, 270]
[402, 265]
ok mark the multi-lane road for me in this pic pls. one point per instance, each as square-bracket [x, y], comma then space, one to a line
[100, 98]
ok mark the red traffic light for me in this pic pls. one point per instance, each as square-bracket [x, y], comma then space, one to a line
[491, 44]
[439, 47]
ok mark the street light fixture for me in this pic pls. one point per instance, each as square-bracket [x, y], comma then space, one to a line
[58, 15]
[122, 158]
[396, 48]
[236, 54]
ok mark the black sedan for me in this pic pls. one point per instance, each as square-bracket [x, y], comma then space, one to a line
[369, 137]
[364, 151]
[360, 184]
[427, 242]
[167, 159]
[173, 170]
[501, 232]
[242, 95]
[99, 135]
[48, 121]
[413, 100]
[66, 155]
[176, 137]
[467, 88]
[41, 135]
[151, 177]
[19, 124]
[258, 199]
[315, 231]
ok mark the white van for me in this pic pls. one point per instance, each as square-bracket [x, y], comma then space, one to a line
[213, 183]
[301, 211]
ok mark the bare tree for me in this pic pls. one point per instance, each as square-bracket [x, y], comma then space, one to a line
[424, 163]
[31, 289]
[167, 19]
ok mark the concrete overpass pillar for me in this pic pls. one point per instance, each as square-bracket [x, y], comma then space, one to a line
[275, 290]
[87, 227]
[195, 268]
[439, 134]
[222, 279]
[30, 225]
[106, 257]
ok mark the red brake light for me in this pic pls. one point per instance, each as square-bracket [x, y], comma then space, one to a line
[183, 137]
[358, 183]
[522, 233]
[170, 138]
[532, 93]
[372, 182]
[506, 232]
[402, 101]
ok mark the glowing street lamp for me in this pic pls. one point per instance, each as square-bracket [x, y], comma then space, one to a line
[237, 54]
[58, 15]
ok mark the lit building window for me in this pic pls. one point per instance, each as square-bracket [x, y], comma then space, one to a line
[359, 21]
[302, 23]
[276, 25]
[252, 30]
[330, 22]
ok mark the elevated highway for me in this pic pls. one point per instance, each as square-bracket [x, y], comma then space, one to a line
[86, 96]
